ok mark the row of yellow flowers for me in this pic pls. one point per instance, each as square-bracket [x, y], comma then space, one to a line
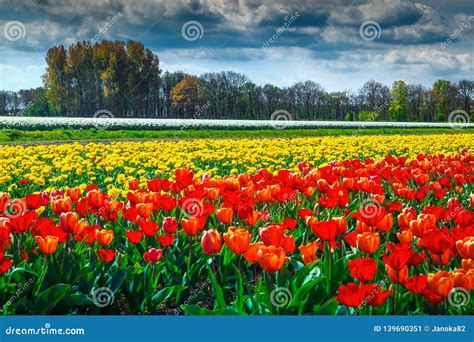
[52, 165]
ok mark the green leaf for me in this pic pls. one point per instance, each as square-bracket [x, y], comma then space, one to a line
[117, 280]
[166, 293]
[49, 298]
[239, 290]
[328, 308]
[218, 293]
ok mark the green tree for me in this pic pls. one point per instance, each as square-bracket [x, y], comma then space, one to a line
[398, 106]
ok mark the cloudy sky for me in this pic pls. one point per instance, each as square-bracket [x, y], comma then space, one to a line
[339, 43]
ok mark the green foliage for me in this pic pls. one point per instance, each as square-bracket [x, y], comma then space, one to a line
[368, 116]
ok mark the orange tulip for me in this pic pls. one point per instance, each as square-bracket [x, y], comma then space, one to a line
[74, 194]
[341, 224]
[144, 209]
[193, 225]
[368, 242]
[61, 205]
[95, 198]
[309, 252]
[225, 215]
[68, 221]
[465, 247]
[422, 224]
[48, 244]
[309, 191]
[441, 283]
[211, 241]
[232, 184]
[104, 237]
[311, 220]
[271, 258]
[251, 254]
[364, 227]
[264, 195]
[237, 239]
[405, 236]
[467, 264]
[211, 193]
[404, 219]
[272, 235]
[386, 223]
[252, 219]
[464, 278]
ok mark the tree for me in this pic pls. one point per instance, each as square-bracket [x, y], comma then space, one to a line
[466, 92]
[398, 106]
[445, 95]
[187, 95]
[55, 80]
[415, 102]
[375, 98]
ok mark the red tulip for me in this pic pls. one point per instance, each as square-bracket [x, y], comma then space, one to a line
[165, 239]
[106, 255]
[325, 230]
[272, 235]
[68, 222]
[153, 255]
[375, 296]
[288, 244]
[363, 269]
[148, 228]
[169, 225]
[5, 263]
[211, 241]
[34, 201]
[133, 184]
[134, 236]
[416, 284]
[352, 294]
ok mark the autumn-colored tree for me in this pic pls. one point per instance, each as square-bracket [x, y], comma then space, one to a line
[109, 75]
[187, 95]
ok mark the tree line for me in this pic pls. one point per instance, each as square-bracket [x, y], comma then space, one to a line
[125, 79]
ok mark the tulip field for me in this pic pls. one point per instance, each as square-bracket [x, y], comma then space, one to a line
[353, 225]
